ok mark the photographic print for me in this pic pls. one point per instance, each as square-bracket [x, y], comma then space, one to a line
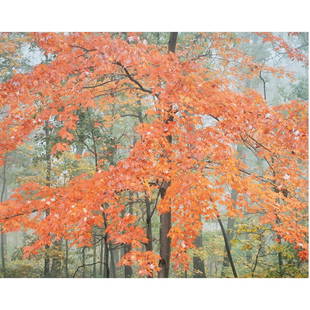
[154, 154]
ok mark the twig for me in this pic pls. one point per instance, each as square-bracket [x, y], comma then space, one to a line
[85, 265]
[132, 79]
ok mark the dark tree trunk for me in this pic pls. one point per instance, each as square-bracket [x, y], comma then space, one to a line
[227, 247]
[56, 261]
[127, 269]
[106, 269]
[127, 247]
[164, 240]
[230, 227]
[172, 42]
[198, 263]
[280, 258]
[46, 262]
[165, 218]
[149, 244]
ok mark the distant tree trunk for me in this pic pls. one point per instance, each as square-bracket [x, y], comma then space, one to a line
[46, 260]
[101, 258]
[164, 240]
[198, 263]
[280, 258]
[66, 258]
[165, 218]
[149, 244]
[96, 169]
[127, 269]
[83, 261]
[127, 247]
[56, 261]
[94, 257]
[3, 241]
[209, 262]
[48, 183]
[117, 257]
[112, 261]
[106, 269]
[227, 247]
[280, 262]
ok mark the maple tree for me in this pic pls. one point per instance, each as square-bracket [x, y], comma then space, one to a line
[190, 120]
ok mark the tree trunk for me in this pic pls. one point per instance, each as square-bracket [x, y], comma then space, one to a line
[165, 219]
[94, 257]
[127, 269]
[101, 258]
[3, 241]
[66, 259]
[48, 183]
[230, 226]
[106, 270]
[83, 261]
[227, 247]
[280, 258]
[56, 261]
[46, 262]
[198, 263]
[172, 42]
[127, 247]
[149, 244]
[112, 261]
[164, 240]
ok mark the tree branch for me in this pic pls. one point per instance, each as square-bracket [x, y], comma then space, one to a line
[85, 265]
[132, 79]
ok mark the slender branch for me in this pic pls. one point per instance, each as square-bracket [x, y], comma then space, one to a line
[82, 266]
[258, 143]
[132, 79]
[270, 166]
[21, 214]
[216, 118]
[83, 142]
